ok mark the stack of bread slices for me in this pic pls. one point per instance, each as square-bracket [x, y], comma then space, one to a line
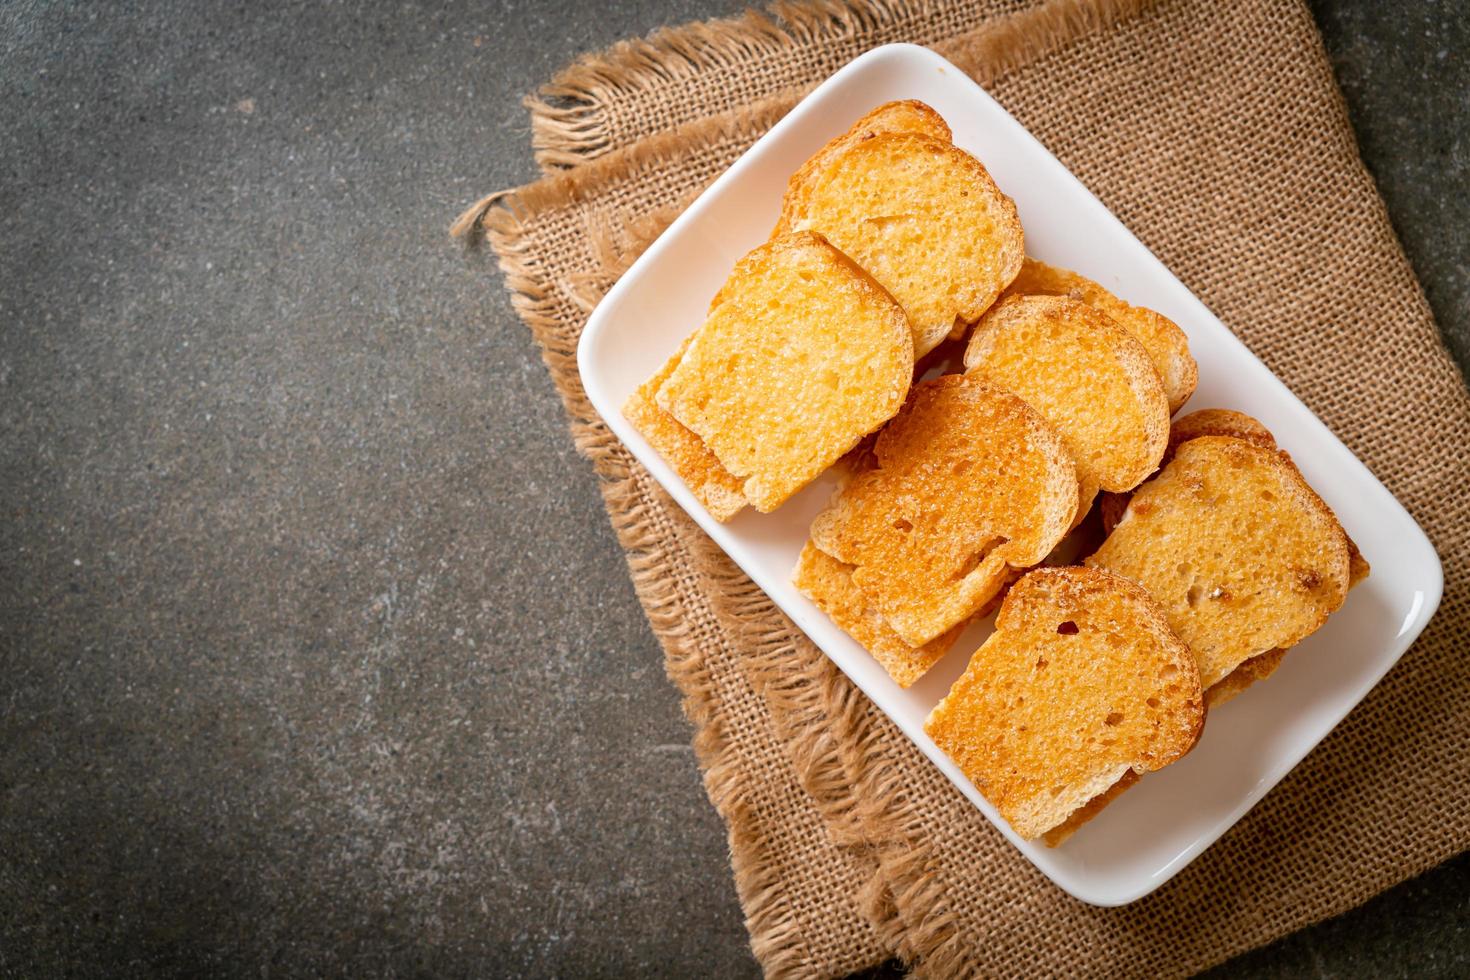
[959, 492]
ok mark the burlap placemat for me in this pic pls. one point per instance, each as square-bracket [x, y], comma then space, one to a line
[1216, 133]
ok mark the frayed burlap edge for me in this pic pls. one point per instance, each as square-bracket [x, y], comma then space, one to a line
[842, 760]
[569, 126]
[572, 132]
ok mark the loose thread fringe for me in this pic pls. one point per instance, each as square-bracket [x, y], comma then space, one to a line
[470, 219]
[567, 124]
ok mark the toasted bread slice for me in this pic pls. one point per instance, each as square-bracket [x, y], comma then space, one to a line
[921, 215]
[1226, 422]
[1087, 376]
[1255, 669]
[967, 482]
[828, 583]
[715, 487]
[801, 356]
[1219, 422]
[1081, 683]
[1205, 422]
[1243, 556]
[908, 116]
[1163, 339]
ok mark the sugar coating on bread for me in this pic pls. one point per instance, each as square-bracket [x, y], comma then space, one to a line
[925, 218]
[712, 485]
[828, 583]
[1082, 682]
[907, 116]
[1165, 342]
[1243, 556]
[1087, 376]
[965, 483]
[802, 355]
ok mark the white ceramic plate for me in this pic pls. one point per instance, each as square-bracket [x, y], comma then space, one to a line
[1157, 828]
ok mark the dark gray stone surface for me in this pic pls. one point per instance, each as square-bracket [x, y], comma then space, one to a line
[316, 652]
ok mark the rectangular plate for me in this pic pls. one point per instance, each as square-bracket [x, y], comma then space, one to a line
[1154, 830]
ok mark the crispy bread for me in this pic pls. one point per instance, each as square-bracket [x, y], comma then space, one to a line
[924, 217]
[1255, 669]
[828, 583]
[1064, 830]
[1205, 422]
[1082, 682]
[1242, 555]
[908, 116]
[966, 482]
[801, 356]
[1225, 422]
[1219, 422]
[714, 486]
[1087, 376]
[1163, 339]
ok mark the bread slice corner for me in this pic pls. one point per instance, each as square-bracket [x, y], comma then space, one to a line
[828, 583]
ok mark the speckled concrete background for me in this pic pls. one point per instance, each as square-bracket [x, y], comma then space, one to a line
[316, 652]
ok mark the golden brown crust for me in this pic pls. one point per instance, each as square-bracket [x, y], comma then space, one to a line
[1218, 422]
[1166, 343]
[1082, 682]
[969, 481]
[1257, 668]
[1061, 833]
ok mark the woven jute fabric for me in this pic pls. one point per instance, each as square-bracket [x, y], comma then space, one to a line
[1215, 132]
